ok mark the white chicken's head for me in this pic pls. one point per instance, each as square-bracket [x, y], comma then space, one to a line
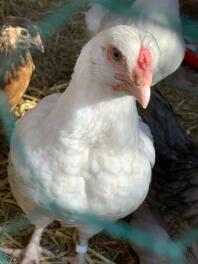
[123, 58]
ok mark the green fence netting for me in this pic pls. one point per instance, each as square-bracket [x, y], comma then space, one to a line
[50, 24]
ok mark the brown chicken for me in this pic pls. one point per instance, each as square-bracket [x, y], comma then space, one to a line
[17, 36]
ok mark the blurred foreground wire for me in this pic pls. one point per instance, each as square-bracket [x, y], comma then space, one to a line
[49, 25]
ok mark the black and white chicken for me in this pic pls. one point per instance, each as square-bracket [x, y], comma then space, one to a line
[173, 194]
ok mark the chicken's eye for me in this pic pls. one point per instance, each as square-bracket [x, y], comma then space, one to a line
[116, 54]
[24, 33]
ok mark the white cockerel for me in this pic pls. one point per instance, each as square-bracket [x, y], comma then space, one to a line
[87, 148]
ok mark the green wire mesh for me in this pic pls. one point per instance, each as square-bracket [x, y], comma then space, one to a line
[49, 25]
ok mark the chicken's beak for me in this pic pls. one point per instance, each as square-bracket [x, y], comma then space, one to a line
[137, 85]
[38, 43]
[142, 93]
[142, 76]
